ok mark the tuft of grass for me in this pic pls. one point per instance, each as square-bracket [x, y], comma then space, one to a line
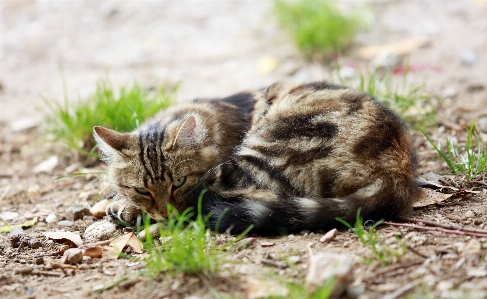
[318, 28]
[123, 110]
[469, 160]
[186, 246]
[370, 238]
[417, 108]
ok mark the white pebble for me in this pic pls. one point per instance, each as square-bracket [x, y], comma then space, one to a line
[51, 218]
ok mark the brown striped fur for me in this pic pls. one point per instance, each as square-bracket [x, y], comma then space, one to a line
[287, 158]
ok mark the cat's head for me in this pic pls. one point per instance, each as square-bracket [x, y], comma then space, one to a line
[159, 164]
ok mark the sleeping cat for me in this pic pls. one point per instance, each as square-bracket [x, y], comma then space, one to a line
[283, 159]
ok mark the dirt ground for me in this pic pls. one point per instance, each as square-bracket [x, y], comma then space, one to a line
[215, 48]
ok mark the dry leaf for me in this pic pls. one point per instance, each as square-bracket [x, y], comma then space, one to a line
[93, 252]
[429, 197]
[69, 236]
[119, 243]
[8, 228]
[400, 48]
[135, 243]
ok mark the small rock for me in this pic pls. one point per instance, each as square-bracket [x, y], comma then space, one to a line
[469, 214]
[329, 236]
[39, 261]
[468, 57]
[294, 259]
[387, 60]
[477, 222]
[65, 223]
[347, 72]
[24, 270]
[78, 210]
[101, 230]
[72, 256]
[99, 209]
[17, 232]
[47, 165]
[482, 124]
[324, 266]
[304, 232]
[34, 243]
[8, 216]
[153, 231]
[449, 92]
[23, 124]
[51, 218]
[473, 247]
[291, 237]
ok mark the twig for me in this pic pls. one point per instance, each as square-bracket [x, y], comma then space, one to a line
[439, 229]
[4, 193]
[416, 252]
[396, 267]
[401, 291]
[48, 273]
[447, 226]
[95, 244]
[277, 264]
[310, 250]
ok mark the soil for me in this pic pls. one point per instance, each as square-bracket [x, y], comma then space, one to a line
[216, 48]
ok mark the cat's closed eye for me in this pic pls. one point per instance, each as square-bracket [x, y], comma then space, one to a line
[142, 191]
[179, 182]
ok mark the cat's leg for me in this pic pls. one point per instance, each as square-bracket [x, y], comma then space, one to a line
[123, 210]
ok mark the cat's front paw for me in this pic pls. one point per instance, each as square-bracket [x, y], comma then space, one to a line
[123, 210]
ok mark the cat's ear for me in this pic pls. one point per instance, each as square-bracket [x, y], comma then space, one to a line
[190, 133]
[110, 142]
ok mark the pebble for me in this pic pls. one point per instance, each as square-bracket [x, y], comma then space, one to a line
[51, 218]
[47, 165]
[469, 214]
[8, 216]
[304, 232]
[264, 289]
[101, 230]
[153, 231]
[472, 247]
[329, 236]
[324, 266]
[72, 256]
[65, 223]
[78, 210]
[23, 124]
[294, 259]
[99, 209]
[478, 221]
[468, 57]
[291, 237]
[482, 124]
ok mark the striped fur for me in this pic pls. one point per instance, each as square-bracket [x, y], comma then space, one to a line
[287, 158]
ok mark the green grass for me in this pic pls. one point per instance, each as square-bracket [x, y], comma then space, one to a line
[469, 160]
[186, 246]
[122, 110]
[317, 27]
[410, 101]
[370, 238]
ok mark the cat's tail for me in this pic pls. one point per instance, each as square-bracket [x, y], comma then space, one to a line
[292, 215]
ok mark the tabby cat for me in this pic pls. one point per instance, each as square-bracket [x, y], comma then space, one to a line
[283, 159]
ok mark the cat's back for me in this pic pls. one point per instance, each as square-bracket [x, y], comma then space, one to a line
[330, 141]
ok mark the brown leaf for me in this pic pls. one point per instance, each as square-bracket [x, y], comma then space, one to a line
[135, 243]
[93, 252]
[60, 236]
[429, 197]
[117, 245]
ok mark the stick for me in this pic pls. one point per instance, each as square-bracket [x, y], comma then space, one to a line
[448, 226]
[277, 264]
[439, 229]
[416, 252]
[401, 291]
